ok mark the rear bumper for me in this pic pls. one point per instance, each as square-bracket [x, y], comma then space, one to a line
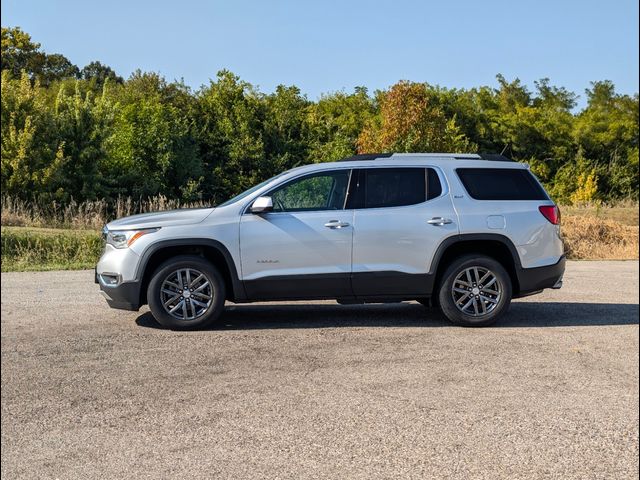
[534, 280]
[125, 296]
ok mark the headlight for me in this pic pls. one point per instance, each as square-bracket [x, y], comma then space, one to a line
[124, 238]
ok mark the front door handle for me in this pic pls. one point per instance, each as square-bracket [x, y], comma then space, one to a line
[439, 221]
[336, 224]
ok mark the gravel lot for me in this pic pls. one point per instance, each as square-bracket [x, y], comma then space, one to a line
[321, 390]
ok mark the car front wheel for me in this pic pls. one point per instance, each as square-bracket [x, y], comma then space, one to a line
[186, 292]
[475, 291]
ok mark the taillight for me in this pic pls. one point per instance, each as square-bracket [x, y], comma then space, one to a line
[551, 213]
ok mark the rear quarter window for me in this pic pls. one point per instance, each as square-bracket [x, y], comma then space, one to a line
[501, 184]
[434, 187]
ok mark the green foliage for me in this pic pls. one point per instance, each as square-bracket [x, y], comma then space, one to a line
[335, 123]
[20, 54]
[228, 131]
[18, 51]
[85, 134]
[28, 135]
[83, 125]
[285, 134]
[98, 74]
[150, 150]
[607, 130]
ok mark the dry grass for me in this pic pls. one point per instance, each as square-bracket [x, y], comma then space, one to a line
[625, 212]
[590, 238]
[86, 215]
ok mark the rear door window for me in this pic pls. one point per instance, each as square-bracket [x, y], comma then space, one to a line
[501, 184]
[387, 187]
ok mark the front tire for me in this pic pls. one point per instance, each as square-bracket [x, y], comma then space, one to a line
[475, 291]
[186, 292]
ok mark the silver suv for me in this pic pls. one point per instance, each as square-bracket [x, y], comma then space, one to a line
[466, 233]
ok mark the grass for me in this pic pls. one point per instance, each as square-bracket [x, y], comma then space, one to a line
[28, 242]
[591, 238]
[34, 249]
[625, 213]
[90, 215]
[601, 232]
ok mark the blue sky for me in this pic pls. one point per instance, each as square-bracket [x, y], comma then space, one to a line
[329, 45]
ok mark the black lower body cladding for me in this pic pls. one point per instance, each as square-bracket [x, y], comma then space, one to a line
[125, 296]
[532, 280]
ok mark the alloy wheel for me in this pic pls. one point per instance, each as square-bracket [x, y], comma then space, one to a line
[186, 294]
[476, 291]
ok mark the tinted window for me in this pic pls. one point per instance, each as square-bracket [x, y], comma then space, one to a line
[434, 187]
[322, 191]
[387, 187]
[501, 184]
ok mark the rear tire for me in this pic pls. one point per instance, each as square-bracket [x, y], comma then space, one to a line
[475, 291]
[186, 292]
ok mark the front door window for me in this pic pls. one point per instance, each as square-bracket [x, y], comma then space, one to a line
[323, 191]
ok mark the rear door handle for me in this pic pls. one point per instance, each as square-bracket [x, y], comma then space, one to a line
[336, 224]
[439, 221]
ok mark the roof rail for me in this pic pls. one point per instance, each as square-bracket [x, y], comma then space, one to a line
[365, 156]
[495, 157]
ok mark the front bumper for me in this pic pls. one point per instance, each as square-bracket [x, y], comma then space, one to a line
[534, 280]
[125, 296]
[116, 273]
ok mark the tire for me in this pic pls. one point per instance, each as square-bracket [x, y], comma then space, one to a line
[200, 313]
[490, 302]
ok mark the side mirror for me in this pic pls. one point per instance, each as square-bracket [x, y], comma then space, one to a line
[262, 205]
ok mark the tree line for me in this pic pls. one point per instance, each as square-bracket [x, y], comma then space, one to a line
[85, 134]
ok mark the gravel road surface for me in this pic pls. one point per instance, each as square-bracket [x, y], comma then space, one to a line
[319, 390]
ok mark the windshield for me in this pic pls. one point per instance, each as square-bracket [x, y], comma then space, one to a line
[246, 193]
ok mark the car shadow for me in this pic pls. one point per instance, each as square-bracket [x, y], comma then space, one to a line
[521, 314]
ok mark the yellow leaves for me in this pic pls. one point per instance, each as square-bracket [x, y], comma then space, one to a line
[587, 188]
[16, 148]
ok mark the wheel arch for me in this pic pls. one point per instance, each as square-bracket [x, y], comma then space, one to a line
[212, 250]
[496, 246]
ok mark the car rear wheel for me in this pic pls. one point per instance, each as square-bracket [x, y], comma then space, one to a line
[186, 292]
[475, 291]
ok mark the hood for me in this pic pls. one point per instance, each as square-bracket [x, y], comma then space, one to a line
[184, 216]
